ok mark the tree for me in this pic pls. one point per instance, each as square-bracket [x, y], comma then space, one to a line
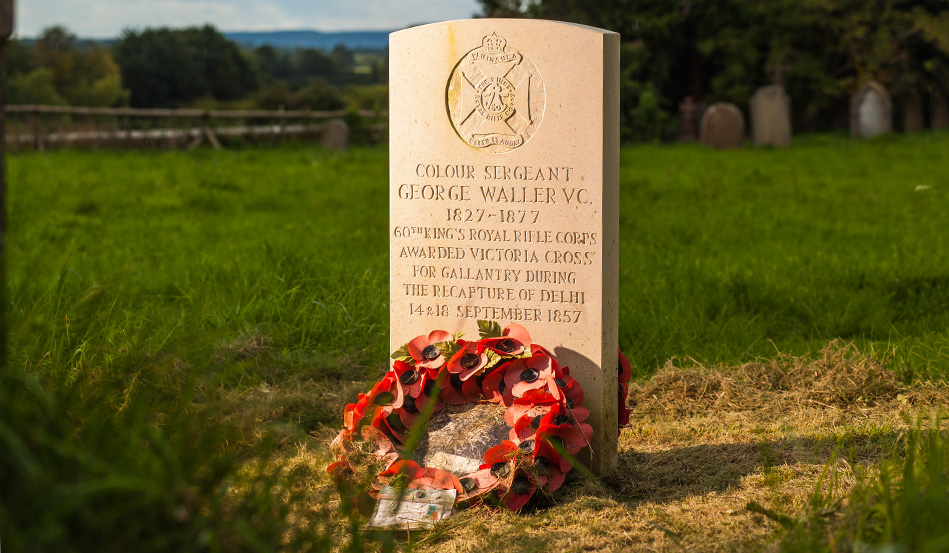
[168, 68]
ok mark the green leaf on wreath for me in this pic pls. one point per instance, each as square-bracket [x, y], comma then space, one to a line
[489, 329]
[458, 335]
[401, 353]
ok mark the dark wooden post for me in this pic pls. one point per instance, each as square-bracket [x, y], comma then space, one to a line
[6, 30]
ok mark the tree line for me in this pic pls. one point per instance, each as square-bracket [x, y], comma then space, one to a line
[188, 67]
[722, 50]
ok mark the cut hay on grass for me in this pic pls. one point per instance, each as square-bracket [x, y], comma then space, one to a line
[704, 444]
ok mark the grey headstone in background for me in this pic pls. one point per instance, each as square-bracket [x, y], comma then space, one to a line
[770, 111]
[723, 126]
[940, 111]
[871, 111]
[913, 113]
[335, 135]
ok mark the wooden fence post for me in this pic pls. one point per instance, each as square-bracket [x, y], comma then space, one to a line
[6, 30]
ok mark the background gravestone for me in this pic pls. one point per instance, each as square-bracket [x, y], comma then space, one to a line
[913, 113]
[335, 135]
[871, 111]
[940, 111]
[723, 126]
[504, 192]
[770, 111]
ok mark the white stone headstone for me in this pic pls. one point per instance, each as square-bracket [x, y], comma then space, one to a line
[504, 170]
[871, 111]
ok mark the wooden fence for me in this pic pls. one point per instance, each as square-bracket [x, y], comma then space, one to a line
[41, 127]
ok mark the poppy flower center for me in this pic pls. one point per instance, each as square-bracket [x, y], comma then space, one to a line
[456, 382]
[408, 377]
[430, 352]
[543, 465]
[535, 422]
[395, 423]
[529, 375]
[561, 419]
[409, 405]
[468, 483]
[521, 485]
[561, 383]
[469, 360]
[526, 446]
[500, 469]
[428, 387]
[569, 403]
[506, 346]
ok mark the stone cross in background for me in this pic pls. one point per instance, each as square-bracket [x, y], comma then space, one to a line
[504, 192]
[687, 109]
[770, 111]
[723, 126]
[871, 111]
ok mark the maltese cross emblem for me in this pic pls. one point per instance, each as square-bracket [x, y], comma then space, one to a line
[495, 97]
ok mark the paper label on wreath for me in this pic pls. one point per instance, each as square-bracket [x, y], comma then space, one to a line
[413, 509]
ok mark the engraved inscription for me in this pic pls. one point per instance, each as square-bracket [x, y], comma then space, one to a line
[496, 97]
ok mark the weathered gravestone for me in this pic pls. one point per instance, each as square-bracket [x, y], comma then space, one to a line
[504, 168]
[871, 111]
[723, 126]
[913, 113]
[940, 111]
[335, 135]
[770, 111]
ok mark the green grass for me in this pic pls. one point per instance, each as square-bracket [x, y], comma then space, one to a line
[133, 276]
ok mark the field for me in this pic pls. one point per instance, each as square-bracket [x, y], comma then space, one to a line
[185, 329]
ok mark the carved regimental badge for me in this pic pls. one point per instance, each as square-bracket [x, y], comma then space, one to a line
[496, 97]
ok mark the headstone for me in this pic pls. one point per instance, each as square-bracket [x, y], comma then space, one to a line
[504, 185]
[770, 111]
[913, 113]
[940, 111]
[871, 111]
[335, 135]
[687, 109]
[723, 126]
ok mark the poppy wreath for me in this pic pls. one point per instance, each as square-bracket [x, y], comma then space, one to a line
[543, 409]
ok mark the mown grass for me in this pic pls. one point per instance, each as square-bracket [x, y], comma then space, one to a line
[186, 327]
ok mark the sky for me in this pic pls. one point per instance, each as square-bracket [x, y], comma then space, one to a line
[107, 18]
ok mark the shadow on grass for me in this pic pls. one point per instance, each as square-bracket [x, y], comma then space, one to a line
[666, 476]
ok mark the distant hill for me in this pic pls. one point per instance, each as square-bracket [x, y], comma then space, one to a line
[354, 40]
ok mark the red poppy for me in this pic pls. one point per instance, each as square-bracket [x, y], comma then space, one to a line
[565, 435]
[519, 491]
[425, 352]
[419, 477]
[513, 341]
[525, 403]
[494, 386]
[531, 373]
[468, 361]
[550, 468]
[409, 380]
[476, 484]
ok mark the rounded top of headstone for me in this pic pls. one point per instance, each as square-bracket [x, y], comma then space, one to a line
[722, 126]
[771, 90]
[871, 87]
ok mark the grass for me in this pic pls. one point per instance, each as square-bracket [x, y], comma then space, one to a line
[186, 328]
